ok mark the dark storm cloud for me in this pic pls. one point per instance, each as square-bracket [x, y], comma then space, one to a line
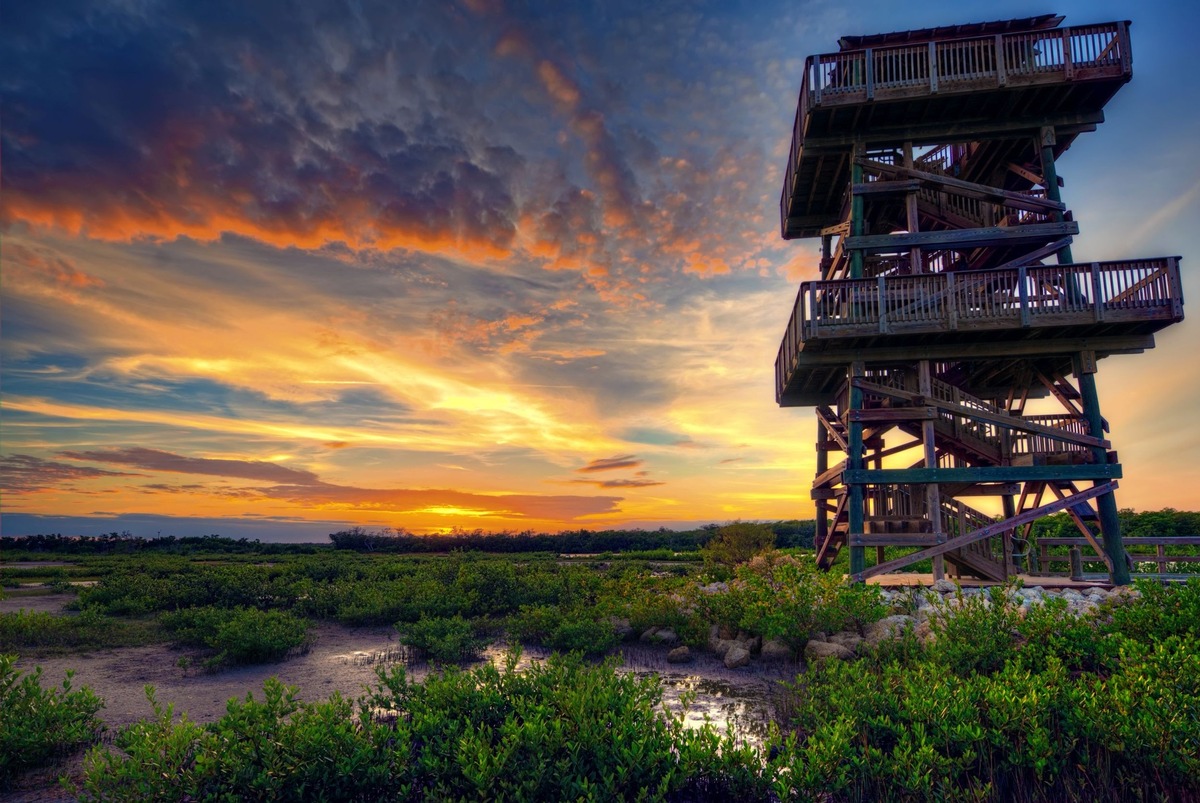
[22, 473]
[156, 460]
[266, 119]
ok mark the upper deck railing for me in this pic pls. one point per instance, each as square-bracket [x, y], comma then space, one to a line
[1129, 291]
[957, 65]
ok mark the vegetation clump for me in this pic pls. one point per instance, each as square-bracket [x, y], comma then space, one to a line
[238, 635]
[561, 730]
[37, 724]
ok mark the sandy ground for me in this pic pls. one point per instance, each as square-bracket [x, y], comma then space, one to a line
[343, 659]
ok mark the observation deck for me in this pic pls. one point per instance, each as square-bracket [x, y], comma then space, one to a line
[1051, 311]
[987, 83]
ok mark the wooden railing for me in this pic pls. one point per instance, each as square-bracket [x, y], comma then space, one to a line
[1133, 546]
[1077, 52]
[1053, 295]
[858, 76]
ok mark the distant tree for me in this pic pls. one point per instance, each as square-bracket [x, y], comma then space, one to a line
[735, 544]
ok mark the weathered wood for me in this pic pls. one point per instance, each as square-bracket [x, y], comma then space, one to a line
[828, 420]
[1036, 255]
[967, 350]
[998, 418]
[886, 187]
[893, 414]
[961, 238]
[983, 532]
[921, 476]
[967, 189]
[1028, 175]
[895, 539]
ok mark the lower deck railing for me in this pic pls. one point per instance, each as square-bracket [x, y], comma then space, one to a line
[1054, 295]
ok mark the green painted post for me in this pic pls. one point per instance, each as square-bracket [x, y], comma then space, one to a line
[858, 558]
[857, 229]
[1050, 176]
[1106, 504]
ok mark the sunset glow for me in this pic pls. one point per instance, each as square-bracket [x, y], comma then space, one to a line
[281, 269]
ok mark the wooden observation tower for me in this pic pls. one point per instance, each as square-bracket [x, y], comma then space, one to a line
[951, 343]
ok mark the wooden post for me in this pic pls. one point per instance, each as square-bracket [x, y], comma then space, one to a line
[1106, 504]
[1046, 141]
[1076, 563]
[933, 491]
[822, 522]
[854, 459]
[912, 222]
[857, 226]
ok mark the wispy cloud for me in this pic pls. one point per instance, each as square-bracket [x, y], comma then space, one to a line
[611, 463]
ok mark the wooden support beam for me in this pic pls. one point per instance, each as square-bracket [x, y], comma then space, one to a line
[967, 189]
[1122, 344]
[1079, 525]
[895, 539]
[940, 133]
[828, 419]
[960, 239]
[1025, 173]
[829, 475]
[922, 476]
[984, 532]
[886, 187]
[976, 414]
[1037, 255]
[894, 414]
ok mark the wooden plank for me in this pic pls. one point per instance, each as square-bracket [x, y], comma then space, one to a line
[959, 239]
[886, 187]
[1147, 540]
[893, 414]
[898, 476]
[1035, 256]
[968, 189]
[942, 132]
[1028, 175]
[827, 419]
[1136, 287]
[826, 477]
[985, 532]
[1122, 344]
[896, 539]
[998, 418]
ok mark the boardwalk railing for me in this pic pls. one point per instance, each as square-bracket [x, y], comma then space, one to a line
[1053, 295]
[953, 65]
[1136, 547]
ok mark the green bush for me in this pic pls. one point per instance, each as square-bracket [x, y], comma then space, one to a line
[580, 633]
[38, 724]
[787, 597]
[43, 632]
[735, 544]
[239, 635]
[561, 730]
[444, 639]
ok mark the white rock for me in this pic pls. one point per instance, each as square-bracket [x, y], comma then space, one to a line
[887, 628]
[817, 651]
[737, 656]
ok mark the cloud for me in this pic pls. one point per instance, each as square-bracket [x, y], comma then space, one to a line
[162, 123]
[156, 460]
[22, 473]
[611, 463]
[639, 483]
[399, 501]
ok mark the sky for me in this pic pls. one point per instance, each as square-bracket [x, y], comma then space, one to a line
[274, 269]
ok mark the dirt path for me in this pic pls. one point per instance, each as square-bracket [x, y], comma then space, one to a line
[343, 659]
